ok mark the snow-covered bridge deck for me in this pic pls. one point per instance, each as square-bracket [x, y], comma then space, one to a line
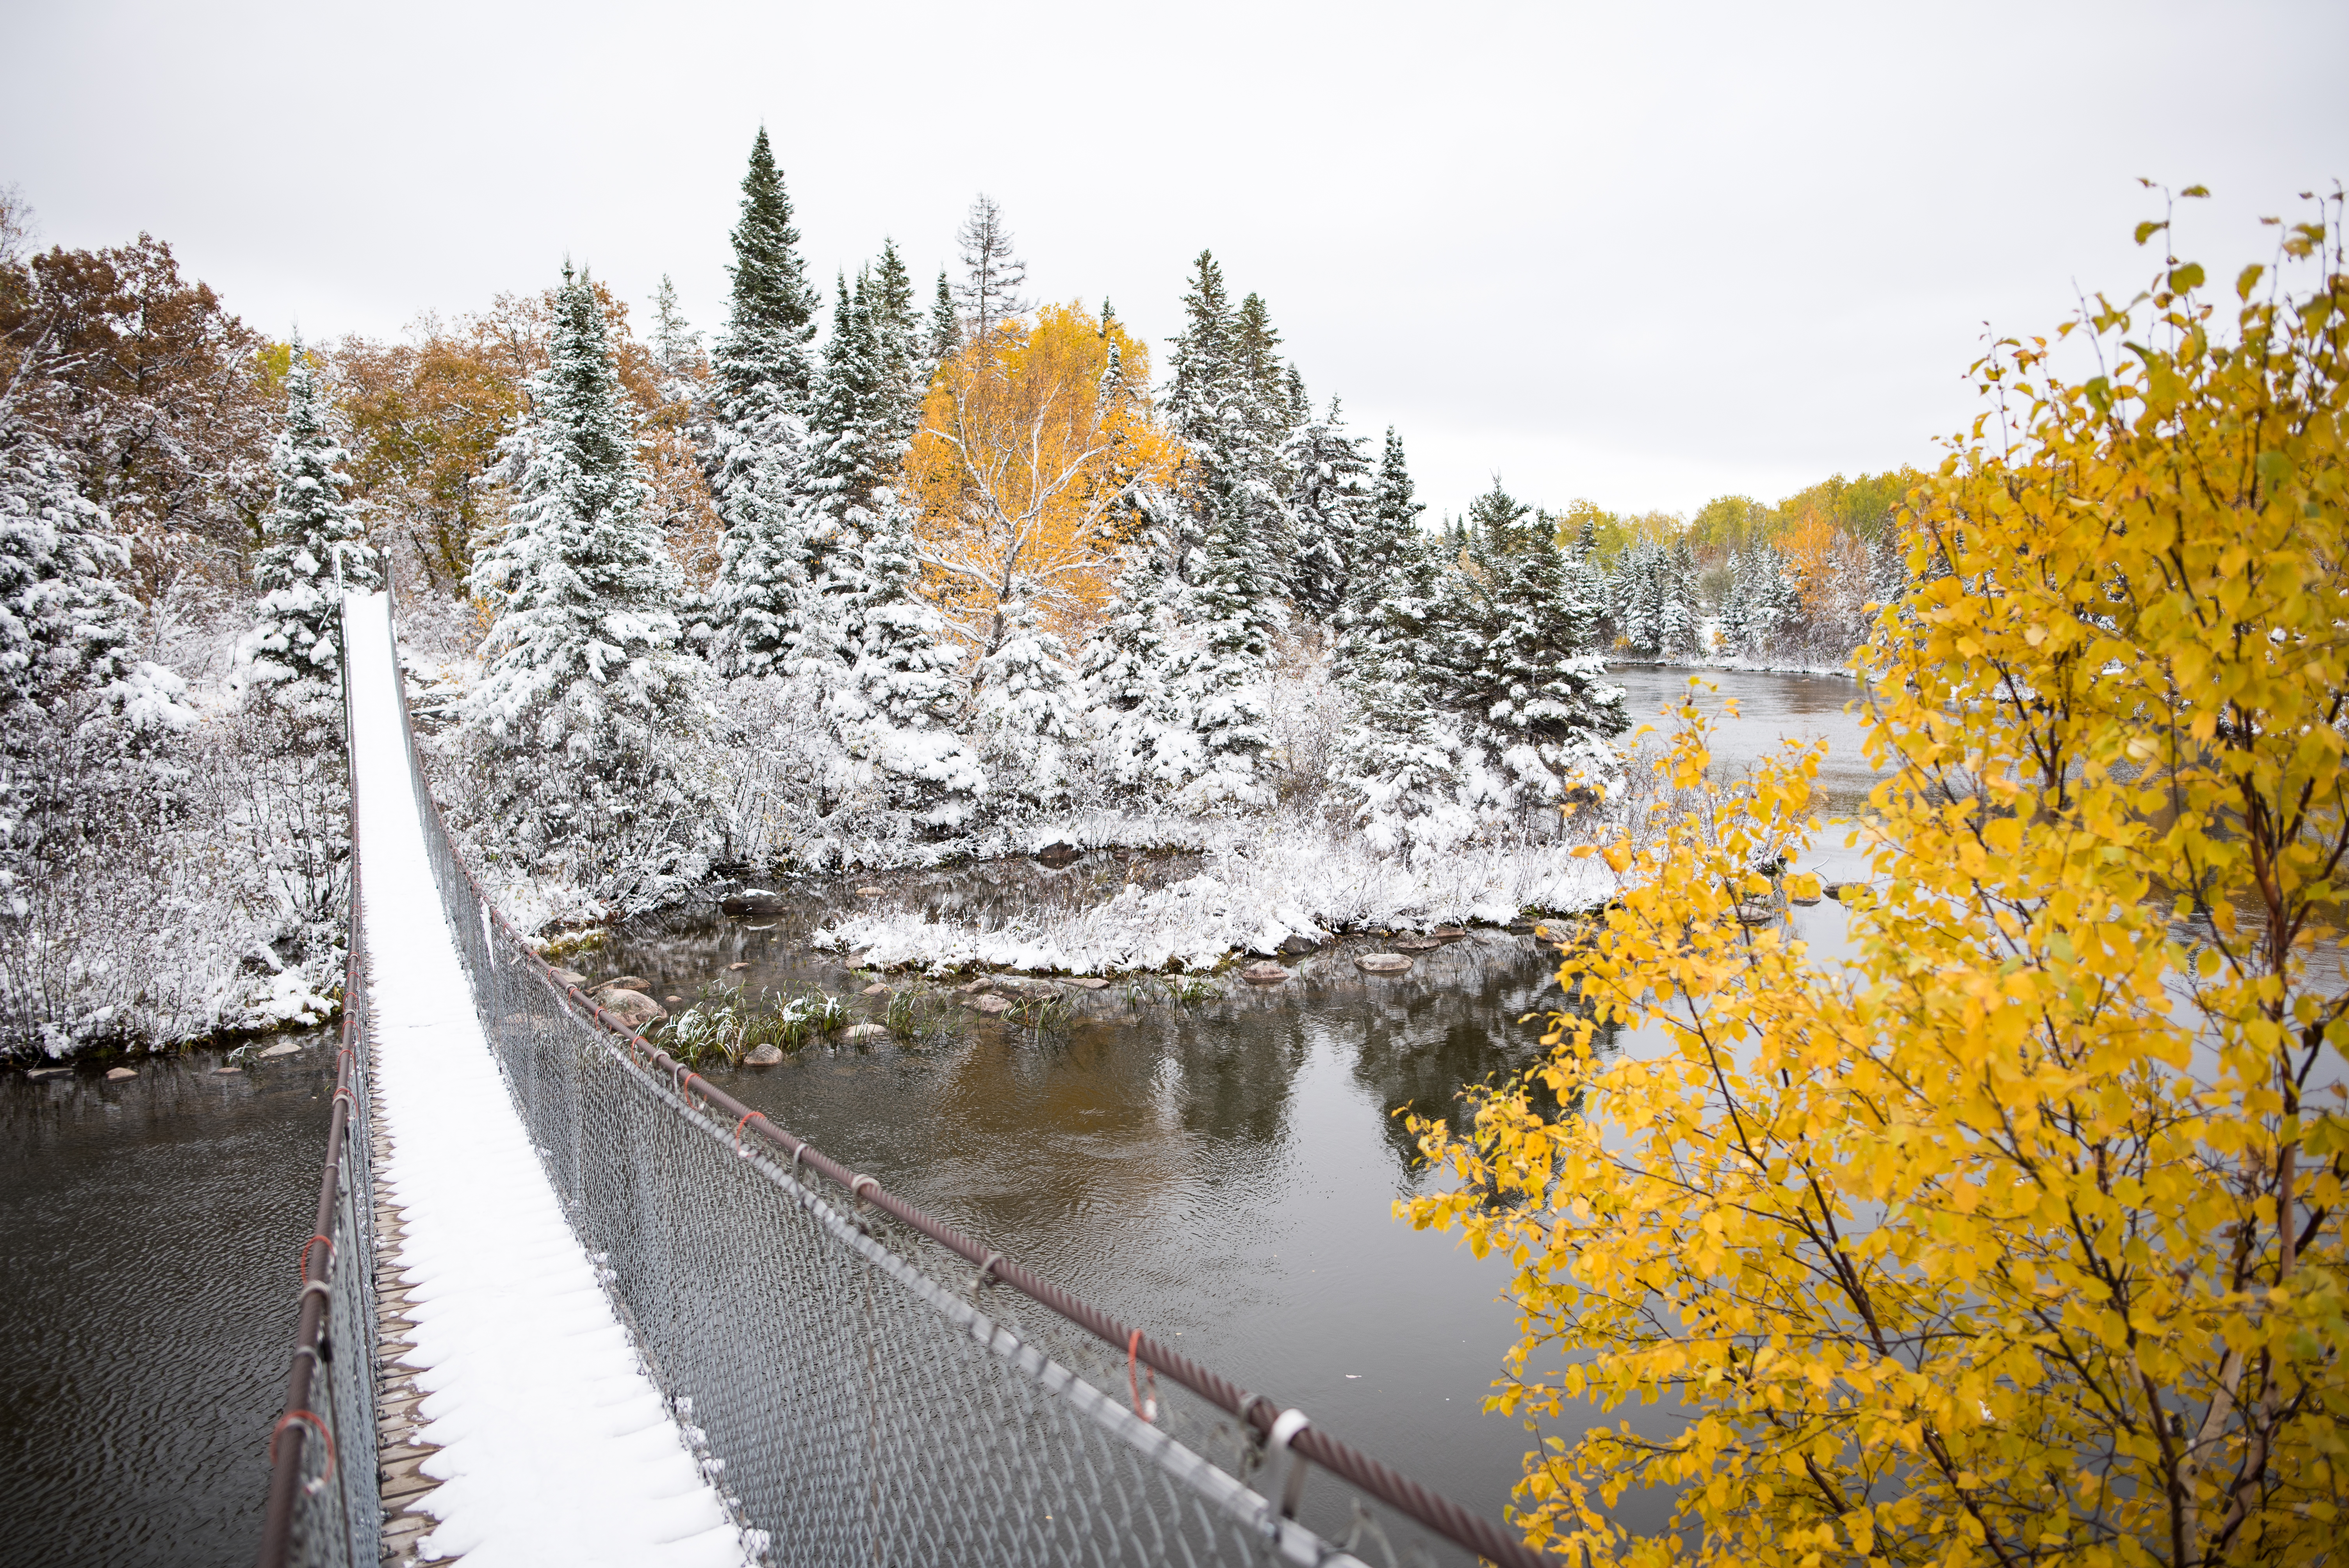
[552, 1445]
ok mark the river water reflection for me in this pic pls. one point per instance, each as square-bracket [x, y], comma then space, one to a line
[149, 1230]
[1222, 1170]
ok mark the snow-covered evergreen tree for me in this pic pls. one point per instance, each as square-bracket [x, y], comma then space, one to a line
[1228, 539]
[312, 547]
[993, 274]
[1653, 600]
[1764, 606]
[1400, 761]
[64, 624]
[900, 699]
[1521, 659]
[583, 673]
[1329, 504]
[1127, 668]
[752, 621]
[1029, 711]
[945, 327]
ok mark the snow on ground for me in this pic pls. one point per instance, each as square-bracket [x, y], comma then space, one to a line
[554, 1447]
[1291, 879]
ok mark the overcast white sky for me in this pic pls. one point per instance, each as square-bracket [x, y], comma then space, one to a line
[1647, 254]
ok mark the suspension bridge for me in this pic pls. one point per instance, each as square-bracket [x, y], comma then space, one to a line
[569, 1302]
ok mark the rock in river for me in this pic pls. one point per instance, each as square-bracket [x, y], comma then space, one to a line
[1265, 974]
[1297, 946]
[117, 1074]
[567, 976]
[987, 1001]
[755, 901]
[765, 1056]
[1058, 855]
[865, 1032]
[1382, 963]
[632, 1009]
[622, 983]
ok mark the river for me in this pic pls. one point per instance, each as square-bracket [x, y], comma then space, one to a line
[1220, 1170]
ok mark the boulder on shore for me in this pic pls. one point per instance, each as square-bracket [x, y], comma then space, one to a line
[1060, 855]
[1297, 946]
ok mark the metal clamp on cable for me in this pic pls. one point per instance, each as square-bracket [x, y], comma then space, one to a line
[1284, 1432]
[982, 1279]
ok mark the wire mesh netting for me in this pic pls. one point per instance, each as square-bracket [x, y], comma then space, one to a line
[325, 1497]
[854, 1388]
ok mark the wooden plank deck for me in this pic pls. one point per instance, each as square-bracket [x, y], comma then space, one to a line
[400, 1452]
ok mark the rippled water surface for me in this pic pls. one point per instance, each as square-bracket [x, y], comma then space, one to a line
[1221, 1170]
[148, 1229]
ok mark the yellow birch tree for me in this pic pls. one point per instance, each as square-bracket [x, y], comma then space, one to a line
[1032, 441]
[2015, 1237]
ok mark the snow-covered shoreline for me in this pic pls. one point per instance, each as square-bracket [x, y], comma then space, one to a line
[1252, 895]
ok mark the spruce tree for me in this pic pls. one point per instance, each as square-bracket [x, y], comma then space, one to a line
[899, 699]
[581, 661]
[311, 546]
[902, 363]
[1527, 678]
[1400, 757]
[1029, 707]
[756, 617]
[763, 357]
[64, 624]
[946, 329]
[992, 274]
[1328, 508]
[1127, 668]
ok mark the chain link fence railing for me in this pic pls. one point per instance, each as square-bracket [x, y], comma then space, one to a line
[325, 1501]
[864, 1384]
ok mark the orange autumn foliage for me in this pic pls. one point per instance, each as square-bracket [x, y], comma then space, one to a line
[1031, 448]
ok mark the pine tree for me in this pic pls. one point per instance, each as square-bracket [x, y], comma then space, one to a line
[1029, 706]
[1329, 506]
[312, 548]
[1524, 671]
[898, 702]
[677, 348]
[992, 273]
[1400, 765]
[763, 357]
[1651, 598]
[64, 624]
[582, 660]
[1126, 669]
[756, 618]
[946, 329]
[902, 363]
